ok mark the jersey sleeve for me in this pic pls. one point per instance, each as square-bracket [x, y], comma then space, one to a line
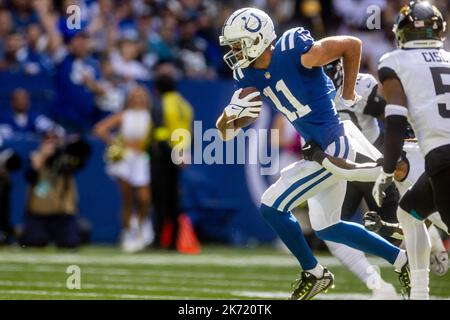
[296, 42]
[388, 67]
[303, 41]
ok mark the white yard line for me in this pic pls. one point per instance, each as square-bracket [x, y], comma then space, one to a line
[89, 286]
[158, 259]
[16, 268]
[44, 293]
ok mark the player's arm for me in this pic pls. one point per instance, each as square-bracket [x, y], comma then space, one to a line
[349, 170]
[396, 124]
[329, 49]
[343, 168]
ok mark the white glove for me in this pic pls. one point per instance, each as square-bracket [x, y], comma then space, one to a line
[244, 107]
[381, 184]
[349, 104]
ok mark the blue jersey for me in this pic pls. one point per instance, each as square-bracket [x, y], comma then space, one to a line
[34, 123]
[305, 96]
[75, 103]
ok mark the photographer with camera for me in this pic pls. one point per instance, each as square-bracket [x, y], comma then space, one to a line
[52, 197]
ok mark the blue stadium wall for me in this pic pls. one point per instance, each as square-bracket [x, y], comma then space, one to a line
[217, 197]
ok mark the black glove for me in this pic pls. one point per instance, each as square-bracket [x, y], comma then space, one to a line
[372, 221]
[309, 149]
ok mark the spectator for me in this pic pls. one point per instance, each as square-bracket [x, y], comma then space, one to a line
[103, 26]
[33, 57]
[10, 60]
[281, 10]
[129, 163]
[208, 32]
[20, 120]
[354, 16]
[125, 61]
[51, 206]
[77, 73]
[163, 43]
[6, 27]
[125, 16]
[23, 14]
[192, 50]
[112, 99]
[174, 113]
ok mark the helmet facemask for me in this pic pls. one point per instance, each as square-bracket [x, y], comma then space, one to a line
[239, 55]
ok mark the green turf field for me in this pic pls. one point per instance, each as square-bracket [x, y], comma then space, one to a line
[217, 273]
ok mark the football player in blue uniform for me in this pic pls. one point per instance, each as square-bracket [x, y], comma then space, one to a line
[289, 73]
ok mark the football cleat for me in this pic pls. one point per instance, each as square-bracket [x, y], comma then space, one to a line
[405, 281]
[308, 285]
[439, 262]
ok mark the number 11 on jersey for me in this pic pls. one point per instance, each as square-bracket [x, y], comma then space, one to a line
[300, 110]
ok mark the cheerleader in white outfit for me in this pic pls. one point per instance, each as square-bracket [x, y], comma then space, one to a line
[128, 162]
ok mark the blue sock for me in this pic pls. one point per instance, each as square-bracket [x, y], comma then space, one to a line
[288, 229]
[354, 235]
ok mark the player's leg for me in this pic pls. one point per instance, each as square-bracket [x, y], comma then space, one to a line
[325, 210]
[439, 255]
[314, 278]
[355, 260]
[296, 184]
[415, 206]
[298, 176]
[301, 179]
[359, 265]
[352, 201]
[440, 184]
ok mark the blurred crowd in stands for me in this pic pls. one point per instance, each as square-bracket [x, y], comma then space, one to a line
[98, 70]
[121, 42]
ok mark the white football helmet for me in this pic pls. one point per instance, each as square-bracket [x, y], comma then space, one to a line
[248, 32]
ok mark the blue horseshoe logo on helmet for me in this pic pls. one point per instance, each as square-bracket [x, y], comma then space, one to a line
[256, 29]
